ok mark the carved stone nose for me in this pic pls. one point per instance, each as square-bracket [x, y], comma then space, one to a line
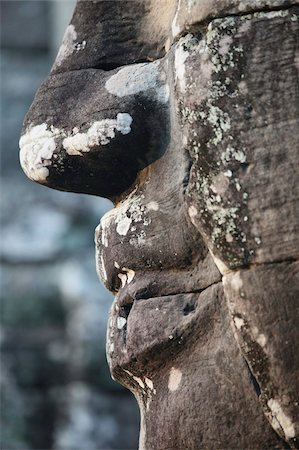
[91, 130]
[87, 131]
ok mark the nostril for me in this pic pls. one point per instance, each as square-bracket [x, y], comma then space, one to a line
[122, 321]
[188, 308]
[149, 291]
[108, 66]
[125, 310]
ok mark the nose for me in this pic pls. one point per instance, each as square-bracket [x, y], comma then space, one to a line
[102, 115]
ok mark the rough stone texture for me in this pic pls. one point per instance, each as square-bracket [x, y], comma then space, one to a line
[248, 106]
[197, 149]
[265, 331]
[248, 186]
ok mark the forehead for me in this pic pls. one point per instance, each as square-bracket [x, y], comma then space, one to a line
[120, 32]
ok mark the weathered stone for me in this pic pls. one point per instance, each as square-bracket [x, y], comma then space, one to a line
[188, 121]
[266, 331]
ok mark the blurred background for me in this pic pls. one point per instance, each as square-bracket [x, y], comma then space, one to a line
[56, 390]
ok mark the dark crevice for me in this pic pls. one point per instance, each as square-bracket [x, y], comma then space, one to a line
[107, 66]
[124, 313]
[201, 27]
[259, 10]
[146, 293]
[188, 172]
[253, 380]
[289, 260]
[248, 266]
[257, 390]
[125, 310]
[189, 308]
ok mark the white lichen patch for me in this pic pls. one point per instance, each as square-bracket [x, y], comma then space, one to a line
[37, 147]
[229, 238]
[271, 14]
[261, 340]
[121, 322]
[153, 206]
[192, 212]
[242, 87]
[118, 218]
[126, 277]
[220, 122]
[102, 230]
[239, 322]
[231, 154]
[228, 173]
[280, 417]
[123, 279]
[138, 239]
[38, 144]
[123, 225]
[110, 333]
[219, 37]
[223, 217]
[220, 184]
[225, 44]
[236, 281]
[187, 46]
[149, 383]
[127, 215]
[100, 133]
[222, 214]
[180, 56]
[130, 274]
[175, 378]
[137, 78]
[137, 379]
[80, 45]
[101, 242]
[68, 45]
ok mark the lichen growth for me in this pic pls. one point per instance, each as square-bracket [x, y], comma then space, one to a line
[211, 140]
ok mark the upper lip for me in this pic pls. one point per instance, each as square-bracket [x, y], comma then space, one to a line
[127, 297]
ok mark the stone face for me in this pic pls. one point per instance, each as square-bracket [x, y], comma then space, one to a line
[195, 142]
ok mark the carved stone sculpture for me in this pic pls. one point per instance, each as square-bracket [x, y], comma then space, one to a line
[186, 114]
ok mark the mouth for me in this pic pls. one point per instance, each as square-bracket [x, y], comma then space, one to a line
[154, 289]
[150, 324]
[126, 301]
